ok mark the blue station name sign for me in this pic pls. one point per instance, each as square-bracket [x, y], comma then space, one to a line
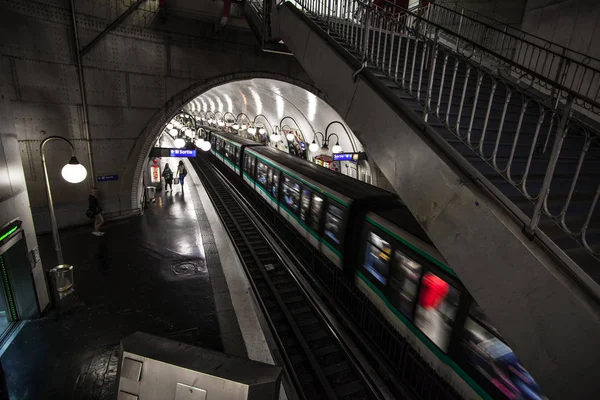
[183, 153]
[349, 156]
[104, 178]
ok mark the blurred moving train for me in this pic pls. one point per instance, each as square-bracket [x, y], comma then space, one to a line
[369, 233]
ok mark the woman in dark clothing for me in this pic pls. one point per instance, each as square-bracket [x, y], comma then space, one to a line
[168, 175]
[96, 213]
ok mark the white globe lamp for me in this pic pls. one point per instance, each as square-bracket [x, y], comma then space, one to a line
[314, 147]
[236, 126]
[173, 132]
[275, 137]
[169, 126]
[199, 142]
[205, 146]
[262, 131]
[74, 172]
[336, 148]
[179, 143]
[290, 137]
[252, 130]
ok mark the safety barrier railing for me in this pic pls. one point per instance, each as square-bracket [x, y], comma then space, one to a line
[562, 68]
[542, 151]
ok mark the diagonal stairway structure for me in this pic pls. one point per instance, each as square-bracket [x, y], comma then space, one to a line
[497, 161]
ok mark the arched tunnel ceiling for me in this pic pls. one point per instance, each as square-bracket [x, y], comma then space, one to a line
[276, 100]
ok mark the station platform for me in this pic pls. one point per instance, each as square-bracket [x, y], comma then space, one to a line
[172, 272]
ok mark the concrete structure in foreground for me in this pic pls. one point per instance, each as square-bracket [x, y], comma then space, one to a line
[152, 367]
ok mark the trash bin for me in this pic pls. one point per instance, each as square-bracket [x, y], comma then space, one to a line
[150, 193]
[62, 280]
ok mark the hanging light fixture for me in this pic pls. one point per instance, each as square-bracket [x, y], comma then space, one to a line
[205, 146]
[236, 126]
[179, 142]
[189, 133]
[313, 147]
[290, 137]
[262, 131]
[173, 132]
[336, 148]
[199, 142]
[275, 137]
[169, 126]
[252, 130]
[73, 172]
[244, 126]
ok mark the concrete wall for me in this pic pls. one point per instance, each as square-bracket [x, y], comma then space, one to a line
[130, 75]
[571, 23]
[14, 202]
[508, 12]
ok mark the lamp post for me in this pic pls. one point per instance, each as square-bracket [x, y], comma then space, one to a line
[242, 126]
[314, 146]
[72, 172]
[262, 130]
[232, 119]
[211, 119]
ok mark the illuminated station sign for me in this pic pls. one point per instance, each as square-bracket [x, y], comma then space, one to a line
[353, 157]
[183, 153]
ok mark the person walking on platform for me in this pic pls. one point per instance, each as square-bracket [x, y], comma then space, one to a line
[168, 175]
[95, 212]
[181, 173]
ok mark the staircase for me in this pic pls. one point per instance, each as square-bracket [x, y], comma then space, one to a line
[503, 130]
[531, 141]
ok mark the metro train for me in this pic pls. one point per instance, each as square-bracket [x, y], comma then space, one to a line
[369, 233]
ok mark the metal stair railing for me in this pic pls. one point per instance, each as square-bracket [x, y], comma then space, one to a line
[564, 68]
[523, 139]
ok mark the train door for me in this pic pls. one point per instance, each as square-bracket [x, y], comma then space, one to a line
[333, 232]
[290, 201]
[314, 220]
[305, 198]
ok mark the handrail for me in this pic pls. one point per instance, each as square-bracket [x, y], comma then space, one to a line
[559, 72]
[518, 32]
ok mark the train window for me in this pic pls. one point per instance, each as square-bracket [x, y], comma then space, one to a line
[333, 223]
[247, 164]
[274, 183]
[261, 173]
[252, 167]
[315, 212]
[227, 151]
[377, 257]
[404, 282]
[496, 361]
[436, 309]
[304, 204]
[291, 194]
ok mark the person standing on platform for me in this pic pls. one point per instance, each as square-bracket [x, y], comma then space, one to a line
[95, 212]
[181, 173]
[168, 175]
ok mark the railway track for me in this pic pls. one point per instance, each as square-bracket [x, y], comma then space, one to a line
[317, 363]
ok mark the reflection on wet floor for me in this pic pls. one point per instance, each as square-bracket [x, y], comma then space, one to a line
[159, 273]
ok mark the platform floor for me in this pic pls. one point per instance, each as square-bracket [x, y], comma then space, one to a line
[160, 273]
